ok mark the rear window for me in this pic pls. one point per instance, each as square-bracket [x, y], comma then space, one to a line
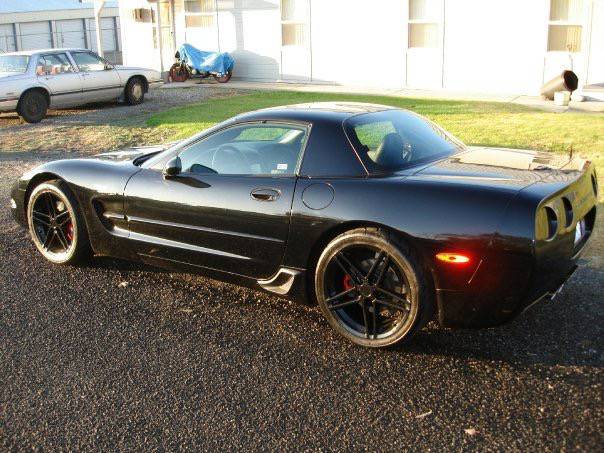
[16, 64]
[391, 140]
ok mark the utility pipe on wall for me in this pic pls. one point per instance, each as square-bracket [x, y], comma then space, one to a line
[98, 8]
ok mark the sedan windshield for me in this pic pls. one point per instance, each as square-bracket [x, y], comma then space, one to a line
[391, 140]
[16, 64]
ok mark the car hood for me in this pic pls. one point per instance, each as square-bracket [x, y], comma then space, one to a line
[131, 153]
[502, 166]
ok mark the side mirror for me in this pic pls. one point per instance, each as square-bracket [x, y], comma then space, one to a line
[173, 167]
[108, 66]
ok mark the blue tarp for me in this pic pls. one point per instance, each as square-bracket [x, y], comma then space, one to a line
[214, 62]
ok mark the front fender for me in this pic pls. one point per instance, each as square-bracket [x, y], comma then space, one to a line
[97, 184]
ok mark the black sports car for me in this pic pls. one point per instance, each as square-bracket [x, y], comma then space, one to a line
[375, 213]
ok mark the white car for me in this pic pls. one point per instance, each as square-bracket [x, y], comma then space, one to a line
[33, 81]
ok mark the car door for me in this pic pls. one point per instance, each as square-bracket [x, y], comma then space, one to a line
[100, 80]
[56, 72]
[228, 208]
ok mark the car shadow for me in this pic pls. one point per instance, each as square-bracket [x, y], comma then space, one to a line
[553, 333]
[567, 331]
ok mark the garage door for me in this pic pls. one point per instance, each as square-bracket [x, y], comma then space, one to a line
[70, 33]
[35, 35]
[108, 29]
[7, 38]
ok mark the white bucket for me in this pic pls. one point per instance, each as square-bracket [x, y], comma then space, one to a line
[561, 98]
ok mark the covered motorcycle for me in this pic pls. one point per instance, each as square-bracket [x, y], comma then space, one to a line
[193, 62]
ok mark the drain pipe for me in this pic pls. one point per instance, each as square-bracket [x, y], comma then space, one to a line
[98, 8]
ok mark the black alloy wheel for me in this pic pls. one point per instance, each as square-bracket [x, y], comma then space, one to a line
[370, 288]
[55, 224]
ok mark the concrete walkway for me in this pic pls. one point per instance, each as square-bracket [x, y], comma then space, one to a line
[532, 101]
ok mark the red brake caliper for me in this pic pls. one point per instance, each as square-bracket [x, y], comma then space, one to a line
[347, 282]
[70, 231]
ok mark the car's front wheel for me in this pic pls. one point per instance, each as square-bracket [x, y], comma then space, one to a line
[56, 224]
[371, 288]
[135, 91]
[33, 106]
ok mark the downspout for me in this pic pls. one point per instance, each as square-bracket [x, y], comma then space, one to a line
[98, 8]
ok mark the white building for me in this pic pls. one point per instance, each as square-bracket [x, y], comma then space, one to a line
[43, 24]
[493, 46]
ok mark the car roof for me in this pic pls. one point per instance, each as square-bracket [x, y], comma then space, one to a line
[314, 111]
[39, 51]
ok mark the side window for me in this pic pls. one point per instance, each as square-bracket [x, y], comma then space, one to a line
[371, 135]
[259, 149]
[87, 61]
[53, 64]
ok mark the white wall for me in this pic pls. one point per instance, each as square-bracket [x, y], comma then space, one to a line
[358, 43]
[595, 65]
[495, 46]
[137, 37]
[250, 30]
[491, 46]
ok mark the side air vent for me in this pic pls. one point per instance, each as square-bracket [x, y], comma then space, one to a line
[568, 212]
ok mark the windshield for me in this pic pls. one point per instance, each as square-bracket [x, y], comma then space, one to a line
[391, 140]
[16, 64]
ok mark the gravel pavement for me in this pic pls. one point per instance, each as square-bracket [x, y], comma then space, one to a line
[122, 356]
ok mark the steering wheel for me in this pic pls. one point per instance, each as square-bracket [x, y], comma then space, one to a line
[229, 159]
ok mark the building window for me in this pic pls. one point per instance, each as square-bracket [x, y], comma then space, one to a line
[294, 22]
[423, 23]
[565, 26]
[199, 13]
[143, 15]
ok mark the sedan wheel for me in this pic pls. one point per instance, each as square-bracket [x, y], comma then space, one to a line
[135, 91]
[33, 106]
[55, 225]
[370, 289]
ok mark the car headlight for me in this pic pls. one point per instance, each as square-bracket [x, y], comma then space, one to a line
[13, 203]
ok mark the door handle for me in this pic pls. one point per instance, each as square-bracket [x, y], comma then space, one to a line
[85, 74]
[265, 194]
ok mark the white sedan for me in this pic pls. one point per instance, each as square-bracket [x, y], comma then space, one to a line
[33, 81]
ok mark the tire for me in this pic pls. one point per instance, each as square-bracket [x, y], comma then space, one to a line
[135, 91]
[223, 79]
[56, 224]
[33, 106]
[386, 302]
[179, 73]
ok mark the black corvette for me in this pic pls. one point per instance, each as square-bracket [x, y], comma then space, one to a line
[378, 215]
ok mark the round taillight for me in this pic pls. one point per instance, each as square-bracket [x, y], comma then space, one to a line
[552, 222]
[568, 212]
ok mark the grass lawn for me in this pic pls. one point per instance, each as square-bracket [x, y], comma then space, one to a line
[475, 123]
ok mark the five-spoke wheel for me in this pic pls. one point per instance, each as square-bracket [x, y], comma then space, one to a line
[370, 288]
[54, 223]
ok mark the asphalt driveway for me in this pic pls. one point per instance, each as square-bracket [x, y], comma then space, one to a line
[120, 356]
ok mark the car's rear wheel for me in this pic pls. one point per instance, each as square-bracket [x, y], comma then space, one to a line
[135, 91]
[33, 106]
[371, 288]
[56, 224]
